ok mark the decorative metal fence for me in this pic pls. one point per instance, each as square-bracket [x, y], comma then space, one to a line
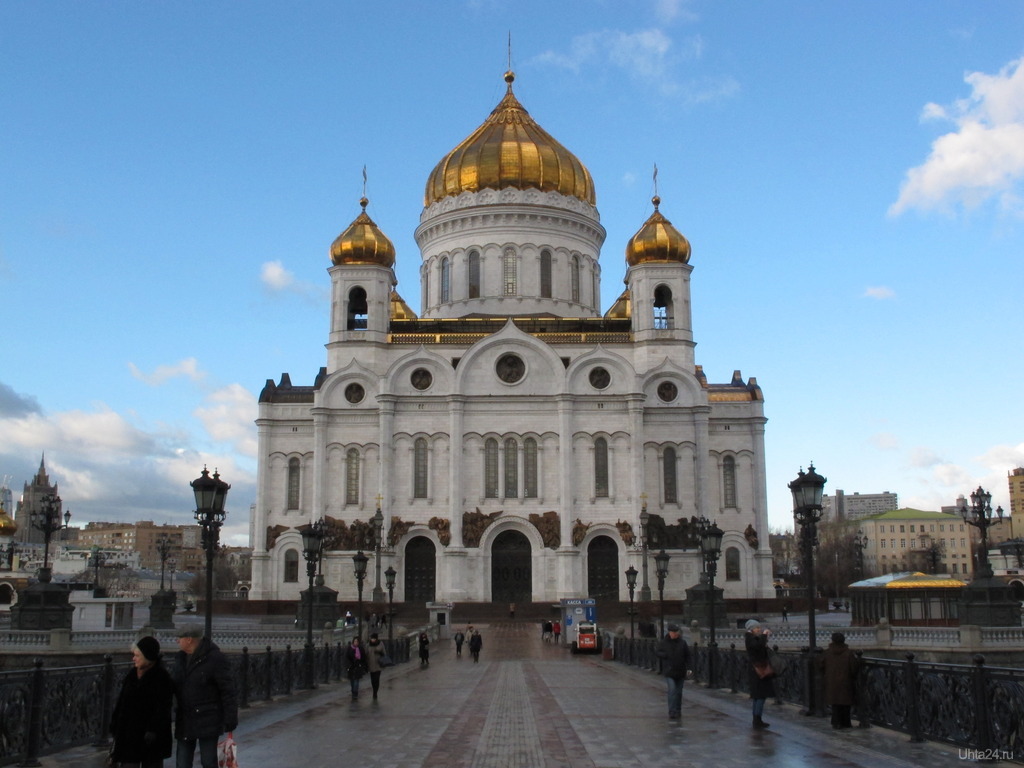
[975, 707]
[43, 711]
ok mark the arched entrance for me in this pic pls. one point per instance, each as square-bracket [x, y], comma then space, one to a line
[6, 594]
[603, 569]
[511, 570]
[420, 570]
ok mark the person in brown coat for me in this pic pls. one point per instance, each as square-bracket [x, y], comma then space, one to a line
[839, 667]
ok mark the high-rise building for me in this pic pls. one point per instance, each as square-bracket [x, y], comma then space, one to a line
[512, 434]
[846, 507]
[31, 497]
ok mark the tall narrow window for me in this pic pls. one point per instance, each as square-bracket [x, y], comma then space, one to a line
[595, 293]
[294, 483]
[732, 564]
[508, 271]
[729, 481]
[491, 468]
[668, 461]
[473, 275]
[575, 277]
[530, 468]
[601, 468]
[352, 476]
[419, 469]
[426, 285]
[511, 469]
[357, 309]
[545, 274]
[446, 280]
[662, 308]
[291, 565]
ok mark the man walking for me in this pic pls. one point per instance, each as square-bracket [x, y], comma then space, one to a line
[205, 690]
[675, 655]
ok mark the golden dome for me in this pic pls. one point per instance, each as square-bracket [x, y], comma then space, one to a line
[657, 240]
[7, 526]
[509, 150]
[363, 243]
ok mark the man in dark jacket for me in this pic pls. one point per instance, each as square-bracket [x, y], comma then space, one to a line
[205, 690]
[675, 656]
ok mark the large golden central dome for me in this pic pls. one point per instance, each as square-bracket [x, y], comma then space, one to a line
[509, 150]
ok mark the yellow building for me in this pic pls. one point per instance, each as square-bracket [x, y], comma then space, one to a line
[916, 540]
[1016, 483]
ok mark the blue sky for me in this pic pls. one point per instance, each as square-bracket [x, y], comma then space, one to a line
[173, 173]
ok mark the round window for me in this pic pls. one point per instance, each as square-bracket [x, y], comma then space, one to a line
[354, 393]
[667, 391]
[510, 368]
[600, 378]
[421, 378]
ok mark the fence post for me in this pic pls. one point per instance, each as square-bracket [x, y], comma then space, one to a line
[34, 724]
[270, 674]
[337, 662]
[860, 693]
[288, 669]
[327, 662]
[243, 694]
[982, 713]
[106, 700]
[735, 668]
[913, 703]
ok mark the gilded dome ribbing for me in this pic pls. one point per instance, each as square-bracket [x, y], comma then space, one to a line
[363, 243]
[657, 240]
[7, 526]
[509, 150]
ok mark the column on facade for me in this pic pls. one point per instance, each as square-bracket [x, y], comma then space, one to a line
[319, 507]
[636, 423]
[385, 458]
[456, 419]
[565, 469]
[259, 534]
[704, 467]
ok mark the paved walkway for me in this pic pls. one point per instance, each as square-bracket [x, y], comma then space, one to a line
[530, 704]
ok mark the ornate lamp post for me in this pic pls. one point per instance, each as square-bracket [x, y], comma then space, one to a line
[661, 568]
[979, 514]
[390, 575]
[986, 601]
[45, 605]
[807, 490]
[359, 561]
[163, 548]
[95, 561]
[631, 583]
[860, 543]
[161, 605]
[378, 542]
[210, 493]
[48, 520]
[711, 547]
[312, 546]
[645, 588]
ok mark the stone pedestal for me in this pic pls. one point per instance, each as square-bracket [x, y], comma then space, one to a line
[43, 605]
[325, 607]
[989, 602]
[698, 605]
[161, 609]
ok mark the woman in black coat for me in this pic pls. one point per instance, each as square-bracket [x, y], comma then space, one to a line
[424, 649]
[761, 688]
[141, 723]
[355, 660]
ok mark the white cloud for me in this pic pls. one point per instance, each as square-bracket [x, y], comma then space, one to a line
[923, 458]
[983, 158]
[277, 279]
[669, 10]
[885, 441]
[879, 292]
[641, 54]
[189, 368]
[230, 417]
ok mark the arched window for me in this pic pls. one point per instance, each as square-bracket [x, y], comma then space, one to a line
[491, 468]
[732, 564]
[601, 468]
[446, 280]
[509, 272]
[545, 274]
[530, 468]
[352, 476]
[668, 461]
[511, 469]
[575, 277]
[729, 482]
[294, 483]
[473, 275]
[291, 565]
[357, 309]
[663, 307]
[419, 469]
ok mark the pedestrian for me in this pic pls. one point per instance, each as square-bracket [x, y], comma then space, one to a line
[785, 614]
[475, 644]
[547, 630]
[839, 667]
[206, 703]
[459, 640]
[355, 660]
[762, 684]
[557, 629]
[141, 723]
[424, 650]
[675, 656]
[512, 611]
[374, 652]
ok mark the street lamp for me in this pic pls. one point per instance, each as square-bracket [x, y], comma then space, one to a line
[378, 542]
[979, 514]
[390, 575]
[807, 490]
[312, 546]
[359, 561]
[96, 560]
[661, 568]
[48, 520]
[163, 548]
[631, 583]
[860, 543]
[711, 546]
[645, 588]
[210, 493]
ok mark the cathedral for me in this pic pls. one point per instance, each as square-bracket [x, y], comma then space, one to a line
[517, 443]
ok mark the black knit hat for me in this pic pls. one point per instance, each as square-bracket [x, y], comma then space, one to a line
[149, 647]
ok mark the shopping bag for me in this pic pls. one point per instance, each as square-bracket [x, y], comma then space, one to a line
[386, 661]
[764, 670]
[227, 752]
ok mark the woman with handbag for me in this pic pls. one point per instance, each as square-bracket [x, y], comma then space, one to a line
[762, 675]
[374, 656]
[355, 656]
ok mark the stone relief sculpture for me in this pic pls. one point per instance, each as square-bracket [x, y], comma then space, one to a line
[443, 526]
[626, 532]
[399, 528]
[473, 526]
[579, 532]
[548, 527]
[273, 531]
[751, 536]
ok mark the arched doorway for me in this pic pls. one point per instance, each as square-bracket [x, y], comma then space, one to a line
[511, 570]
[420, 570]
[6, 594]
[603, 569]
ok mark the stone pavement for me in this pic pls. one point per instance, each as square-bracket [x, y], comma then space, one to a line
[531, 704]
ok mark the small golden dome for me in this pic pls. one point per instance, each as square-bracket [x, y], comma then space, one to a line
[7, 526]
[363, 243]
[509, 150]
[657, 240]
